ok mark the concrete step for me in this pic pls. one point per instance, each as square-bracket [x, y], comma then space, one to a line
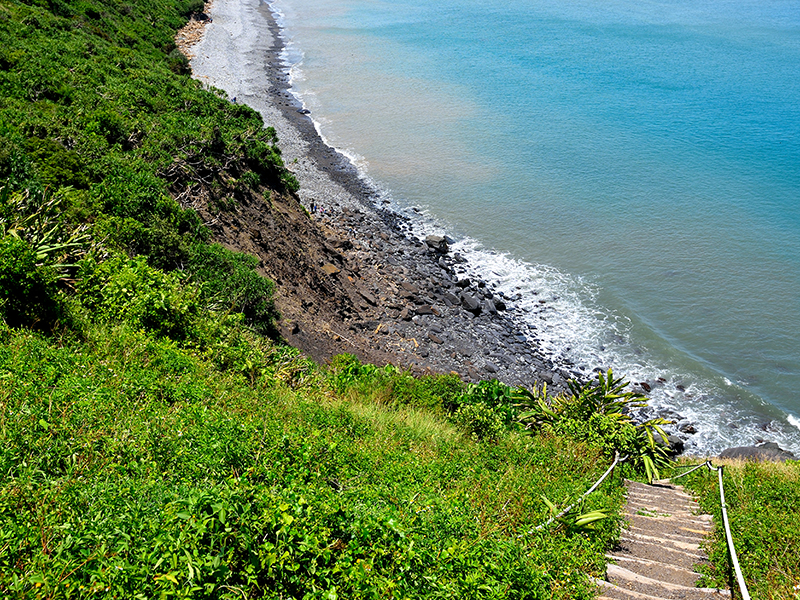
[631, 581]
[655, 569]
[659, 548]
[614, 592]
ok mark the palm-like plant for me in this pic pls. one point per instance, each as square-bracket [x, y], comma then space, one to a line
[35, 217]
[604, 403]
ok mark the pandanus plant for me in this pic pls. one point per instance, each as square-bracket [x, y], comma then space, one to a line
[644, 442]
[35, 217]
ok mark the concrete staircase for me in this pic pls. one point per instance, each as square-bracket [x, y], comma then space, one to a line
[658, 549]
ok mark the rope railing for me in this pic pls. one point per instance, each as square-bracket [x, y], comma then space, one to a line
[725, 520]
[728, 535]
[595, 485]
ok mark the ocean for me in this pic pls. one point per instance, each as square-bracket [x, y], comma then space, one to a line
[634, 164]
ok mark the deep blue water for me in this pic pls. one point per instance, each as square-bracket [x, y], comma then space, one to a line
[635, 163]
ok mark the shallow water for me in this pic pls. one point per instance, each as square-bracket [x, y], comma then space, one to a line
[637, 165]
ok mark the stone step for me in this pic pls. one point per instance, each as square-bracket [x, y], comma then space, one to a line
[614, 592]
[630, 581]
[668, 533]
[658, 550]
[655, 569]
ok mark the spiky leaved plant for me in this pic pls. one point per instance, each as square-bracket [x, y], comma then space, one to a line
[600, 411]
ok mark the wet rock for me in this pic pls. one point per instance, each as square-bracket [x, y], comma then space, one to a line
[645, 386]
[471, 303]
[687, 428]
[768, 451]
[676, 445]
[490, 308]
[499, 304]
[463, 283]
[437, 243]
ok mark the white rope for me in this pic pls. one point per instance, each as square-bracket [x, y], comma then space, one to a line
[617, 460]
[729, 536]
[705, 464]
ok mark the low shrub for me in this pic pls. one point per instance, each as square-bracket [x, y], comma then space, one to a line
[480, 421]
[228, 281]
[600, 412]
[129, 290]
[28, 294]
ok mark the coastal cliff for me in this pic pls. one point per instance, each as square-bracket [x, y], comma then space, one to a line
[366, 282]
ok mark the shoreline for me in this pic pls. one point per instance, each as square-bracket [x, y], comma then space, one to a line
[417, 310]
[411, 305]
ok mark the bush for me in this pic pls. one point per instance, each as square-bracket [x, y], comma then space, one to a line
[599, 412]
[228, 281]
[28, 295]
[481, 421]
[129, 290]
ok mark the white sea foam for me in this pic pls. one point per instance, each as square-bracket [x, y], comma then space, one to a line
[794, 421]
[560, 313]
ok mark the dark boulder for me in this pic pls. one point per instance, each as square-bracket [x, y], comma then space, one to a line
[769, 451]
[452, 298]
[471, 303]
[437, 243]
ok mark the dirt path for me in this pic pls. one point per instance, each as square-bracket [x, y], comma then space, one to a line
[659, 548]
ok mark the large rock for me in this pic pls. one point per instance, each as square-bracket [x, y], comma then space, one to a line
[330, 269]
[470, 303]
[438, 243]
[452, 298]
[769, 451]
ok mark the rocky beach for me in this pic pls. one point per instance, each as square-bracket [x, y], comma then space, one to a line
[353, 274]
[361, 280]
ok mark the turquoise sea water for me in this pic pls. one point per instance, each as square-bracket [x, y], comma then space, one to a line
[636, 164]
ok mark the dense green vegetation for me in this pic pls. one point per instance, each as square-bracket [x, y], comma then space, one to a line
[101, 130]
[763, 501]
[156, 440]
[133, 466]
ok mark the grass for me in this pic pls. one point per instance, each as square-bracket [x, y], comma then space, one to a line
[763, 501]
[137, 468]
